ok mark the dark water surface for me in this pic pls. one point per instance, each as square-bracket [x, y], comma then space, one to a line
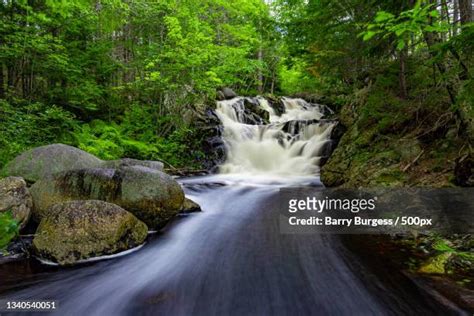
[230, 259]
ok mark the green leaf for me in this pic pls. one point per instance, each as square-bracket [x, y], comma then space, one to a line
[383, 16]
[368, 35]
[8, 229]
[401, 44]
[434, 13]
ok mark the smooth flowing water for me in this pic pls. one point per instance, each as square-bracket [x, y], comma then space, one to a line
[230, 259]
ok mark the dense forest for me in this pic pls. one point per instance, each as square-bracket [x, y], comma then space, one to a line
[127, 78]
[389, 89]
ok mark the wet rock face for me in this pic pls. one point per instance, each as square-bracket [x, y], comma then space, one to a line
[190, 206]
[277, 105]
[255, 113]
[43, 161]
[79, 230]
[15, 197]
[151, 195]
[213, 146]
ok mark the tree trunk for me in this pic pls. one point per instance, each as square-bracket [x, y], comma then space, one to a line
[260, 73]
[272, 87]
[402, 73]
[2, 82]
[431, 39]
[465, 10]
[445, 16]
[455, 17]
[260, 60]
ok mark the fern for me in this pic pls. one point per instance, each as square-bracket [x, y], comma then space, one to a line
[9, 228]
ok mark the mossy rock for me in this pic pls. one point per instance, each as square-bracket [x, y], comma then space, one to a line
[151, 195]
[190, 206]
[408, 149]
[79, 230]
[16, 198]
[346, 116]
[43, 161]
[128, 162]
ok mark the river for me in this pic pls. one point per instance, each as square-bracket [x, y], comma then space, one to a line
[231, 259]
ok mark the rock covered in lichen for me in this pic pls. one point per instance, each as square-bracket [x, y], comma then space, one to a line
[151, 195]
[43, 161]
[128, 162]
[190, 206]
[79, 230]
[16, 198]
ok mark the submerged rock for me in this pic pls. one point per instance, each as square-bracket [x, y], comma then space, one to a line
[15, 197]
[79, 230]
[190, 206]
[43, 161]
[151, 195]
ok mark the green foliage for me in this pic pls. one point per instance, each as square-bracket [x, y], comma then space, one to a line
[384, 110]
[294, 77]
[24, 125]
[408, 24]
[442, 245]
[135, 137]
[8, 229]
[121, 78]
[122, 75]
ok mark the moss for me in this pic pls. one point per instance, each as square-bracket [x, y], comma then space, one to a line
[390, 177]
[83, 229]
[388, 156]
[436, 265]
[365, 138]
[151, 195]
[390, 143]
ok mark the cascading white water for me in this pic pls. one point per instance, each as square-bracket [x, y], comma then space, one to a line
[291, 144]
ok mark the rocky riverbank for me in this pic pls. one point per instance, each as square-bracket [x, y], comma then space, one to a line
[419, 148]
[80, 207]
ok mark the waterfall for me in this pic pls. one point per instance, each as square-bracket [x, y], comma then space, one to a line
[262, 139]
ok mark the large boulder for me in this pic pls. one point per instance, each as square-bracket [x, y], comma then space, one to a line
[151, 195]
[79, 230]
[43, 161]
[128, 162]
[15, 197]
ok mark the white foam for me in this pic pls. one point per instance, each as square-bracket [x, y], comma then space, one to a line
[269, 150]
